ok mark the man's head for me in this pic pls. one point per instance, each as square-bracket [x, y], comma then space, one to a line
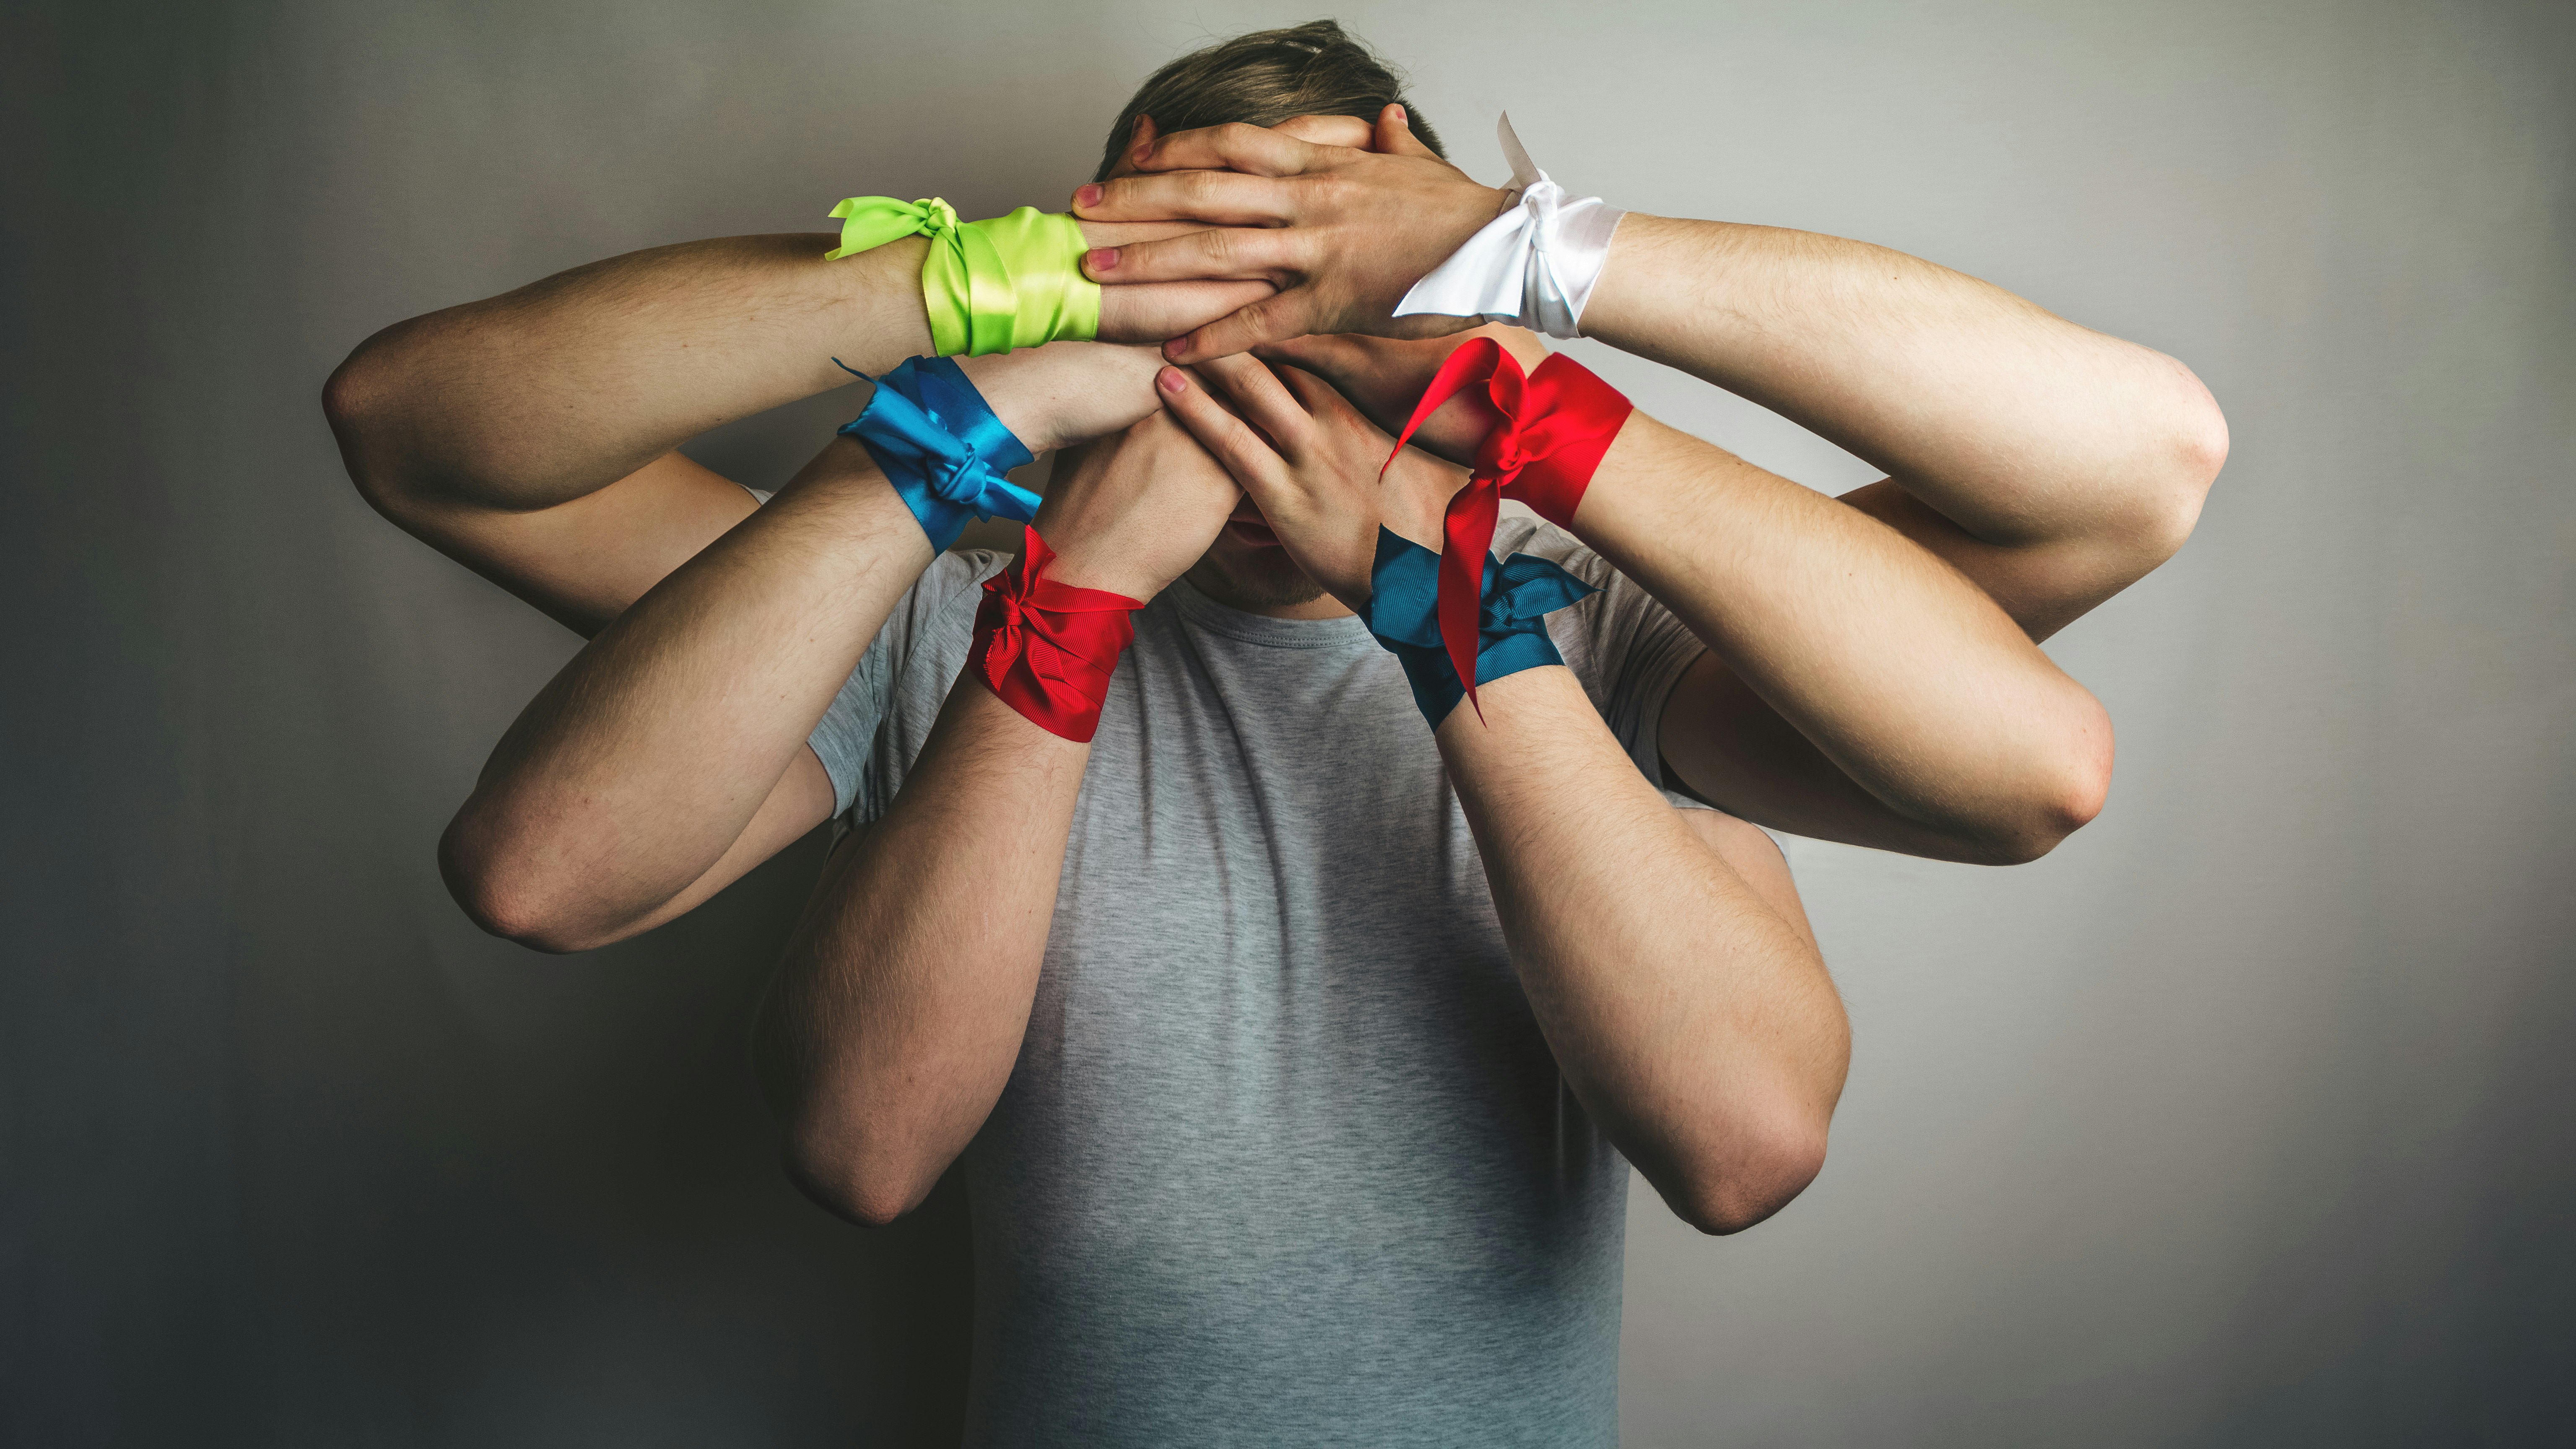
[1262, 79]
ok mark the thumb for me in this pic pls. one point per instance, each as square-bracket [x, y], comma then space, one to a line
[1394, 135]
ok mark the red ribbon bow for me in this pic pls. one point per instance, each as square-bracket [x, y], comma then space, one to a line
[1049, 649]
[1556, 424]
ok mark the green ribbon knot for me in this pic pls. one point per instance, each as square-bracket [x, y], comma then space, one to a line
[989, 286]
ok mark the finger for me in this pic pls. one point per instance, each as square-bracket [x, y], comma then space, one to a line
[1333, 355]
[1280, 317]
[1235, 146]
[1220, 198]
[1255, 466]
[1323, 403]
[1123, 233]
[1394, 135]
[1349, 132]
[1166, 310]
[1252, 253]
[1258, 395]
[1140, 138]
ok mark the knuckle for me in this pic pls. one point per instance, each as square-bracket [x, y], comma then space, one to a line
[1202, 187]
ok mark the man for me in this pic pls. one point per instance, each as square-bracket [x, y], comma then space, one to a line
[1291, 1043]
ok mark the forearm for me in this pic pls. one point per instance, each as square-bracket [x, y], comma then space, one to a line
[1899, 670]
[639, 766]
[2014, 424]
[894, 1021]
[541, 395]
[1694, 1021]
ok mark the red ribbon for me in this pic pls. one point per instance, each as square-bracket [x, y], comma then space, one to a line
[1048, 649]
[1557, 422]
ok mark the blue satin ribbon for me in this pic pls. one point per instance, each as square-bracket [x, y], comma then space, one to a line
[942, 448]
[1511, 624]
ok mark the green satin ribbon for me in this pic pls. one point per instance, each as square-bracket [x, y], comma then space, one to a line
[989, 286]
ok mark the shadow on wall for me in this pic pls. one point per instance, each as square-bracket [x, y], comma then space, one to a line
[572, 1228]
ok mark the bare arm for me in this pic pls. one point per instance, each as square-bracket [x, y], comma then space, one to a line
[895, 1018]
[1919, 695]
[2054, 464]
[2044, 464]
[1664, 952]
[670, 755]
[530, 436]
[2051, 463]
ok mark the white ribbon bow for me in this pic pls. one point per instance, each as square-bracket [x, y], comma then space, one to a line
[1534, 265]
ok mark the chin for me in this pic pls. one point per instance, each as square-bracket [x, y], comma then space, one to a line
[1254, 578]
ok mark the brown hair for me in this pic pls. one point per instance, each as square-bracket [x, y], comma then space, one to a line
[1269, 76]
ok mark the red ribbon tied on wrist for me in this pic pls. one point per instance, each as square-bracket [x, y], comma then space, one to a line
[1556, 424]
[1048, 649]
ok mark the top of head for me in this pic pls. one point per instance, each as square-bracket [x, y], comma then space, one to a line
[1269, 76]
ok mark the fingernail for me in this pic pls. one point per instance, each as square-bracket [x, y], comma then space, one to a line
[1402, 117]
[1086, 196]
[1172, 379]
[1100, 259]
[1140, 153]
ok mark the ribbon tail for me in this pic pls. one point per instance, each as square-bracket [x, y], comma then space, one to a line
[1456, 372]
[1467, 529]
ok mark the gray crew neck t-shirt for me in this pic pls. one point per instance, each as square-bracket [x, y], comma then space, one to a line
[1284, 1159]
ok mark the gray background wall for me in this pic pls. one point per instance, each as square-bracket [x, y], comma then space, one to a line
[2245, 1118]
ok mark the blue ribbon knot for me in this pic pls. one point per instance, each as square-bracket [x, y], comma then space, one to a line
[942, 448]
[1511, 622]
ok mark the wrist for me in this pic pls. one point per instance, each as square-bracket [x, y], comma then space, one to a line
[1101, 566]
[1534, 261]
[1049, 646]
[876, 299]
[1626, 499]
[1070, 392]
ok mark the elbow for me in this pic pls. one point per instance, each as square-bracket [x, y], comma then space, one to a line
[351, 405]
[359, 401]
[839, 1175]
[508, 894]
[2062, 787]
[2183, 455]
[2068, 797]
[1751, 1184]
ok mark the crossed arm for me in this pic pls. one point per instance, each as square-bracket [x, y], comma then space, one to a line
[1872, 674]
[532, 438]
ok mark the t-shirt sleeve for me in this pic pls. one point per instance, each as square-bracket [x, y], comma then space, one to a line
[917, 649]
[1628, 649]
[840, 739]
[849, 726]
[1643, 649]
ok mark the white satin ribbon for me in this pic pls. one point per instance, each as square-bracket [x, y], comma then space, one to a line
[1534, 265]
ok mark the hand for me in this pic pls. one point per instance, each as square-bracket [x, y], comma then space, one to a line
[1344, 233]
[1384, 378]
[1315, 476]
[1132, 512]
[1158, 310]
[1163, 309]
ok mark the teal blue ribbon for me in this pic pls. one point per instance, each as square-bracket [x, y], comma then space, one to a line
[942, 448]
[1511, 623]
